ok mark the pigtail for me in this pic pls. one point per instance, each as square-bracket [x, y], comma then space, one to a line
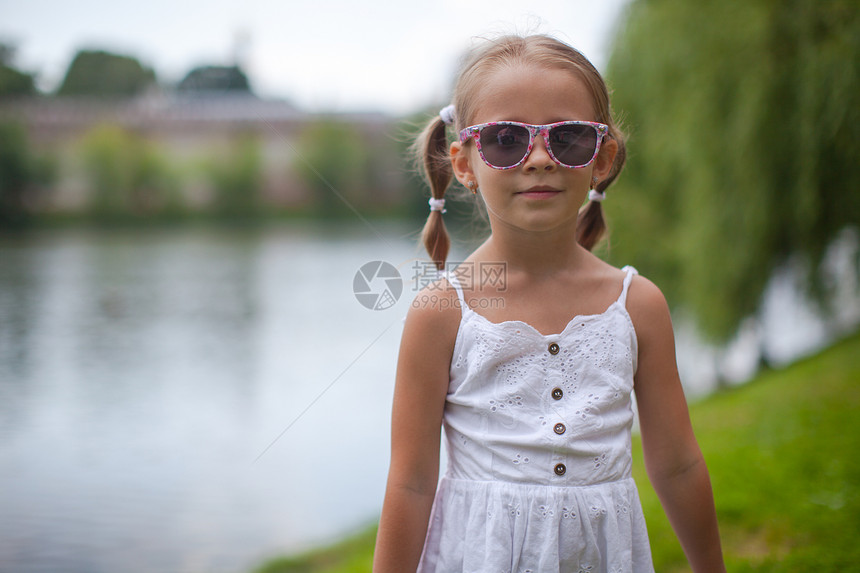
[620, 157]
[591, 223]
[431, 149]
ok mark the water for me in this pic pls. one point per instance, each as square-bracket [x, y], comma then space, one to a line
[142, 374]
[201, 400]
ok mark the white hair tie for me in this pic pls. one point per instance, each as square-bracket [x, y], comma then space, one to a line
[447, 114]
[594, 195]
[437, 204]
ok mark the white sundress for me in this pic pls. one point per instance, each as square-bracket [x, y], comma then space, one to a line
[539, 462]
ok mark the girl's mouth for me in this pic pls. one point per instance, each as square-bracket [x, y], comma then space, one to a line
[540, 192]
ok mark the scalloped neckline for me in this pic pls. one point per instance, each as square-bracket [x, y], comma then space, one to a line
[525, 325]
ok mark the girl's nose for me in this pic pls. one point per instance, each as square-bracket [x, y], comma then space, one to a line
[539, 158]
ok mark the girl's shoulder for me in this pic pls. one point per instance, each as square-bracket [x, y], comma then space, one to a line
[435, 312]
[644, 298]
[439, 296]
[642, 294]
[649, 312]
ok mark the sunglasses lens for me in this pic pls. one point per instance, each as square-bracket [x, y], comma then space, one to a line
[504, 145]
[573, 144]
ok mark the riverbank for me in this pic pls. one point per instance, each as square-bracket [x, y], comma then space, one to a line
[781, 450]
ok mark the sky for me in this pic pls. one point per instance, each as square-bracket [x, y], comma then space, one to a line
[390, 56]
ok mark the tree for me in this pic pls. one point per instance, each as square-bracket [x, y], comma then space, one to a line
[215, 79]
[25, 176]
[99, 73]
[13, 82]
[127, 175]
[745, 132]
[237, 179]
[334, 162]
[14, 174]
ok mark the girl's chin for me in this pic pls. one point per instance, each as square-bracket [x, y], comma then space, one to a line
[534, 222]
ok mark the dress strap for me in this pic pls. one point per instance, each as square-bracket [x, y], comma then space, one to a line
[451, 277]
[626, 285]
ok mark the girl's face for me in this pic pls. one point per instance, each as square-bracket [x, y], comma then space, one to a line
[539, 194]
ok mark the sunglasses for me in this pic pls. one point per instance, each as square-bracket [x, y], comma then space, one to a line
[507, 144]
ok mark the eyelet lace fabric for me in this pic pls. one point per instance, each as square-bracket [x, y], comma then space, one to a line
[539, 458]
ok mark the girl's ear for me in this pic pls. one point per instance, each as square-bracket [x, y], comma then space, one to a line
[605, 159]
[461, 163]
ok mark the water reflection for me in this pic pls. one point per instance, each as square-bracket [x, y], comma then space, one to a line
[142, 373]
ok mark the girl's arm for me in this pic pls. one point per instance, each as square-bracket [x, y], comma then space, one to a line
[673, 459]
[419, 399]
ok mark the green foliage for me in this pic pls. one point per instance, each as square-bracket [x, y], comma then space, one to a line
[745, 133]
[333, 161]
[23, 173]
[99, 73]
[127, 175]
[354, 555]
[237, 180]
[13, 82]
[215, 79]
[15, 174]
[786, 480]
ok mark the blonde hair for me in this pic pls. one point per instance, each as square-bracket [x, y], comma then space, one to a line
[431, 146]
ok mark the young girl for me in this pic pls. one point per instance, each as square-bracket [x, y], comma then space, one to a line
[531, 374]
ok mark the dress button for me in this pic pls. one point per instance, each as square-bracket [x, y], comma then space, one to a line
[559, 428]
[560, 469]
[557, 393]
[553, 348]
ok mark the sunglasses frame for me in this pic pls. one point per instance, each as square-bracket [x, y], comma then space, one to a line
[474, 131]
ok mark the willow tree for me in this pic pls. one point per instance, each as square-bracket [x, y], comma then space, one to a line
[744, 122]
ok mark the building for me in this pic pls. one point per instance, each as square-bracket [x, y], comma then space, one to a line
[193, 128]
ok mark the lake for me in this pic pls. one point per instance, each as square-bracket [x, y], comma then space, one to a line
[198, 399]
[143, 374]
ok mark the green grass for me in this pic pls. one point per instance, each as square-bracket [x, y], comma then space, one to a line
[784, 456]
[353, 555]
